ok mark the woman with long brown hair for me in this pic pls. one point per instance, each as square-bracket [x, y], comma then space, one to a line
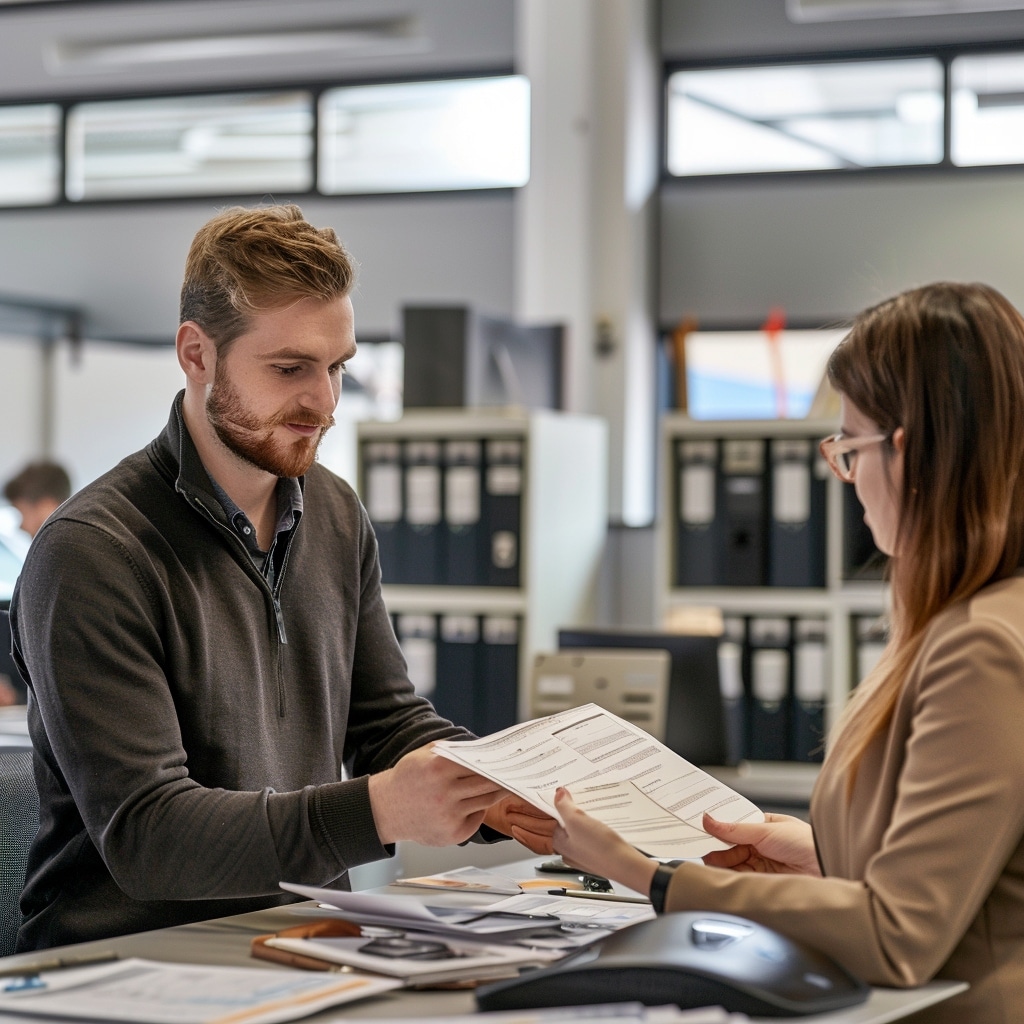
[912, 866]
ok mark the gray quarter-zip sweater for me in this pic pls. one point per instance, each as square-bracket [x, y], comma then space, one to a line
[190, 724]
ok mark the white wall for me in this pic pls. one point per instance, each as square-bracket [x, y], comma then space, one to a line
[21, 390]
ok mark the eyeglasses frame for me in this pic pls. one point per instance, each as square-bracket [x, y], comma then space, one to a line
[834, 446]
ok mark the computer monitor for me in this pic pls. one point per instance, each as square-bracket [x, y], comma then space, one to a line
[694, 721]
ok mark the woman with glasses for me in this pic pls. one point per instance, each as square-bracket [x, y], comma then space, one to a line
[912, 866]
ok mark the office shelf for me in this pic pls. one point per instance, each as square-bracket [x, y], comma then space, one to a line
[841, 602]
[562, 521]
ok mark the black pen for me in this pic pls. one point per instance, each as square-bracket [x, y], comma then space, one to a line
[584, 894]
[59, 963]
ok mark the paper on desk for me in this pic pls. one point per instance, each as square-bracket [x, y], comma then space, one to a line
[618, 773]
[148, 992]
[606, 1013]
[468, 879]
[565, 908]
[409, 913]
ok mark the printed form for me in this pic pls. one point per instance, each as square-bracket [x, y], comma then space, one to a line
[615, 771]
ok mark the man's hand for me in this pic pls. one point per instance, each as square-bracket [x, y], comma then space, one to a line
[525, 823]
[430, 800]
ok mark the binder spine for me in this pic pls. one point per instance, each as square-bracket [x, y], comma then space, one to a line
[458, 676]
[422, 562]
[463, 495]
[417, 636]
[382, 487]
[735, 696]
[797, 552]
[503, 493]
[697, 525]
[497, 695]
[810, 689]
[743, 501]
[770, 669]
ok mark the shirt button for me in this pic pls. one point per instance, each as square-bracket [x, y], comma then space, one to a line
[247, 530]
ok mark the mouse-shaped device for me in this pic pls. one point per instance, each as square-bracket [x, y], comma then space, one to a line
[690, 959]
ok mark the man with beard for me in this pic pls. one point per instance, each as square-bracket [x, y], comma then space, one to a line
[218, 699]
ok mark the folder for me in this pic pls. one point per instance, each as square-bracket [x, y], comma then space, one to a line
[744, 513]
[422, 561]
[417, 636]
[455, 696]
[769, 724]
[871, 634]
[734, 692]
[797, 549]
[382, 488]
[503, 494]
[697, 542]
[498, 690]
[462, 514]
[810, 688]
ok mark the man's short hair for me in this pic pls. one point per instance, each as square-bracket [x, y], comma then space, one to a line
[39, 480]
[246, 261]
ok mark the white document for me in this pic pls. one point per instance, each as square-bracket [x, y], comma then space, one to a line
[615, 771]
[147, 992]
[596, 913]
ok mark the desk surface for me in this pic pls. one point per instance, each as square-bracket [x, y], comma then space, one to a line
[226, 941]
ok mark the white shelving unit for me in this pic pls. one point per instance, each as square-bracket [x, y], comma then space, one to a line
[839, 601]
[563, 521]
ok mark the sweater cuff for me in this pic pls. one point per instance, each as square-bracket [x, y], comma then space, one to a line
[343, 818]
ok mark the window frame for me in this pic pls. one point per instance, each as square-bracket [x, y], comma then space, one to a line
[315, 87]
[944, 54]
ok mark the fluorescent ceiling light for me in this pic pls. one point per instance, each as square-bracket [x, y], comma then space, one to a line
[848, 10]
[367, 38]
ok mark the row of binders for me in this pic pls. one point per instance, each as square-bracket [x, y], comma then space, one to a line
[751, 512]
[774, 674]
[446, 512]
[466, 665]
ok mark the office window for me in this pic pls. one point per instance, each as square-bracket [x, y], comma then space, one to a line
[987, 110]
[30, 154]
[755, 375]
[424, 136]
[190, 145]
[800, 117]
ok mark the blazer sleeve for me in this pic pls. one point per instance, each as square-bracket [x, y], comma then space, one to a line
[957, 818]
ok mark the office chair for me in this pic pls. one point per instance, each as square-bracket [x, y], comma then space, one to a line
[19, 822]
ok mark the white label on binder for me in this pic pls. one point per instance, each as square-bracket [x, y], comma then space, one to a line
[504, 479]
[423, 495]
[504, 549]
[460, 629]
[791, 492]
[462, 495]
[697, 494]
[810, 672]
[770, 675]
[421, 658]
[730, 670]
[501, 629]
[384, 492]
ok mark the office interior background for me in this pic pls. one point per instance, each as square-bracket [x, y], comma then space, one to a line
[632, 170]
[123, 128]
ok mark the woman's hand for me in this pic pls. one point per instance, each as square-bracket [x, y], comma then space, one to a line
[586, 843]
[514, 817]
[781, 845]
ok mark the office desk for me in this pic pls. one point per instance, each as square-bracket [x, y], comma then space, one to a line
[226, 941]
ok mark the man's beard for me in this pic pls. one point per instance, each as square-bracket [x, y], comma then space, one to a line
[252, 439]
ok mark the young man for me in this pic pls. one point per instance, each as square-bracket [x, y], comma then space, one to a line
[220, 701]
[37, 491]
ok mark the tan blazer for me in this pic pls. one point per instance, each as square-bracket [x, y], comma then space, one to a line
[924, 865]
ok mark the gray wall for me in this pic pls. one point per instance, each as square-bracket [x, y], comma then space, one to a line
[824, 247]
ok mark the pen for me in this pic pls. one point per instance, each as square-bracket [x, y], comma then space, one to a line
[58, 963]
[583, 894]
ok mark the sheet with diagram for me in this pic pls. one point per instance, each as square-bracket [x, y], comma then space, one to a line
[615, 771]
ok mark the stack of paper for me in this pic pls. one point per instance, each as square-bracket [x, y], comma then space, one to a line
[618, 773]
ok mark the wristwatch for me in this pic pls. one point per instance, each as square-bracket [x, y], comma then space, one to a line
[659, 886]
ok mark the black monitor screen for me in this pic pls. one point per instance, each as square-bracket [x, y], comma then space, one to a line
[695, 726]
